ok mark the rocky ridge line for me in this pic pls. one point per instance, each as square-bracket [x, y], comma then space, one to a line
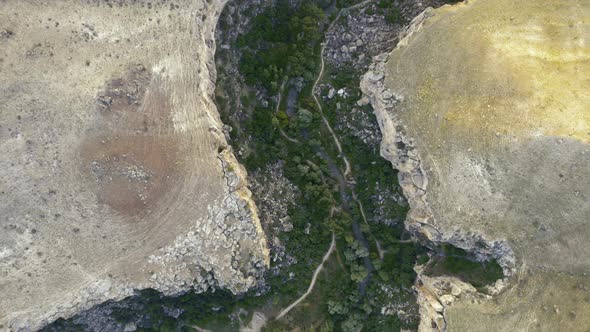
[434, 293]
[182, 265]
[235, 218]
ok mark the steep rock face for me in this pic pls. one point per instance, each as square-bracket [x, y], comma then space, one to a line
[115, 174]
[484, 110]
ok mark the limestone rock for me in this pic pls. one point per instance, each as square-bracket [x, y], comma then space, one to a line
[115, 173]
[484, 109]
[331, 93]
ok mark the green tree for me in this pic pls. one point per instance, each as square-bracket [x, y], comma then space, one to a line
[304, 118]
[337, 307]
[352, 324]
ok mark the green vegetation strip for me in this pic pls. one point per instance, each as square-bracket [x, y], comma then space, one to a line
[284, 42]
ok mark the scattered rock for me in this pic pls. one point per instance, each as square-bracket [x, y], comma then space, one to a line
[331, 93]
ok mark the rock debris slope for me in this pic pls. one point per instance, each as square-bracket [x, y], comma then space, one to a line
[485, 110]
[115, 174]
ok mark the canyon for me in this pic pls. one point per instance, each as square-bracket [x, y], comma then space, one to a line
[123, 205]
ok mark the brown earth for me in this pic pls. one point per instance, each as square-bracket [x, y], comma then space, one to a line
[115, 174]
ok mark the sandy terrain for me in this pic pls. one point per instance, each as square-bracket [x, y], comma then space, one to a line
[115, 174]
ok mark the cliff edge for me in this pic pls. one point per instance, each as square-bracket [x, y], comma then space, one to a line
[115, 174]
[484, 109]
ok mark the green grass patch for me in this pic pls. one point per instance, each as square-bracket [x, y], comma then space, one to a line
[459, 263]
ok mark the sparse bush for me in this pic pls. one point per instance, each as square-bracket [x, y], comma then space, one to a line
[459, 263]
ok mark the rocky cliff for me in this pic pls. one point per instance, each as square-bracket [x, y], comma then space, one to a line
[115, 174]
[484, 109]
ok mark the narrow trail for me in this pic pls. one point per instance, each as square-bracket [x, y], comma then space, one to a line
[346, 179]
[281, 88]
[313, 280]
[287, 137]
[348, 171]
[347, 175]
[380, 251]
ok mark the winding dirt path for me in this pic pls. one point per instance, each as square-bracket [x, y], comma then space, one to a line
[287, 137]
[347, 170]
[313, 279]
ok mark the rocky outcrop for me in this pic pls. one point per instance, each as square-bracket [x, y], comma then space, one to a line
[364, 32]
[399, 148]
[436, 294]
[468, 106]
[116, 174]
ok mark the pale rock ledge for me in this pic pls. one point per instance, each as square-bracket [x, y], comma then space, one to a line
[484, 109]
